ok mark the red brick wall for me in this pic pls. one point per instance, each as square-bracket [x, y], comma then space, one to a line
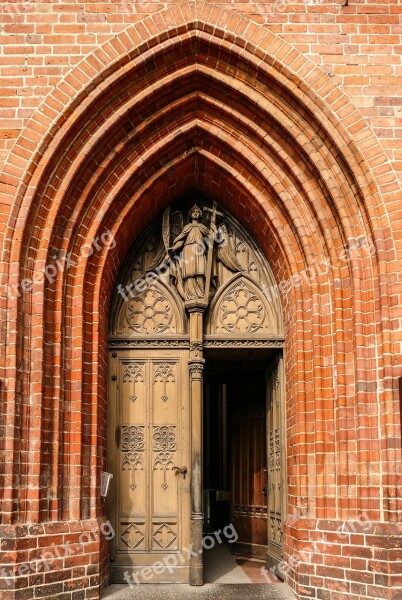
[291, 122]
[66, 559]
[359, 46]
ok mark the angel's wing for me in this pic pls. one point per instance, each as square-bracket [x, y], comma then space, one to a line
[161, 253]
[176, 225]
[226, 254]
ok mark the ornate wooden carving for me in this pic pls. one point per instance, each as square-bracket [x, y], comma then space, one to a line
[142, 343]
[182, 262]
[132, 446]
[213, 342]
[210, 341]
[164, 440]
[133, 373]
[148, 501]
[164, 536]
[164, 373]
[153, 311]
[241, 310]
[150, 313]
[132, 536]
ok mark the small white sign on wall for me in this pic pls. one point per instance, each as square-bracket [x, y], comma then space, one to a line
[105, 482]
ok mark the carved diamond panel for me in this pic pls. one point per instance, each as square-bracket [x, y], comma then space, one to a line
[275, 529]
[164, 536]
[132, 536]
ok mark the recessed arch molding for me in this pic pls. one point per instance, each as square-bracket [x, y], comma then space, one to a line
[197, 98]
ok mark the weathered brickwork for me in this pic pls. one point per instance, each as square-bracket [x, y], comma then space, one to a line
[289, 114]
[64, 560]
[357, 43]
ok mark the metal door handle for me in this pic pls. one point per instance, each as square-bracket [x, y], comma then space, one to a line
[183, 471]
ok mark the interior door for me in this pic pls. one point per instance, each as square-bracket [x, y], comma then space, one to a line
[249, 464]
[149, 501]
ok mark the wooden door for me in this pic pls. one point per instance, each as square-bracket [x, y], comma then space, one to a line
[249, 465]
[149, 502]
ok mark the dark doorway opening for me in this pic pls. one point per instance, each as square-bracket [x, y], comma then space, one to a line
[235, 457]
[235, 453]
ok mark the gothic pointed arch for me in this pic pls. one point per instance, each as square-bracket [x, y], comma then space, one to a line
[254, 124]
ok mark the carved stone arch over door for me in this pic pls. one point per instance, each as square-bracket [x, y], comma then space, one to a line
[156, 287]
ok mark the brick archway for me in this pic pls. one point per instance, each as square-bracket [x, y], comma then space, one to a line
[176, 102]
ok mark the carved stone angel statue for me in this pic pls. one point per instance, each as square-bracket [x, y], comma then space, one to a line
[193, 251]
[191, 266]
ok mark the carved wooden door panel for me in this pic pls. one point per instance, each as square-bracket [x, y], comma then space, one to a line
[249, 462]
[149, 502]
[276, 465]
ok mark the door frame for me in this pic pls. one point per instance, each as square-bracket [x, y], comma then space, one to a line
[222, 347]
[275, 370]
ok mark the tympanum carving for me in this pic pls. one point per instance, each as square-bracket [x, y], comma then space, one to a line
[195, 252]
[150, 313]
[185, 260]
[241, 309]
